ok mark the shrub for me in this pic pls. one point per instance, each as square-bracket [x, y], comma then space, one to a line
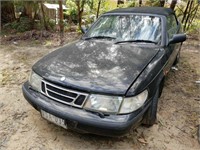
[22, 25]
[51, 23]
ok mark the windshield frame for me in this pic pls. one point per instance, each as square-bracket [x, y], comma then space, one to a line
[161, 43]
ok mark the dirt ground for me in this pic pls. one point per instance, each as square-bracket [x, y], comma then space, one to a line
[22, 128]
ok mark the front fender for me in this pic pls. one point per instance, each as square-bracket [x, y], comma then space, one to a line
[150, 77]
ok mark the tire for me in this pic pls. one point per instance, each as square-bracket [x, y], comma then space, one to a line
[151, 114]
[177, 59]
[161, 86]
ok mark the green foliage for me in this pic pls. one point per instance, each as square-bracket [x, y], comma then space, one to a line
[38, 25]
[14, 25]
[72, 9]
[132, 4]
[107, 6]
[195, 27]
[152, 3]
[24, 24]
[51, 23]
[89, 13]
[128, 4]
[179, 10]
[19, 6]
[89, 10]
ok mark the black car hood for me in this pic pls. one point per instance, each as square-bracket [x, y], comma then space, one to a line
[96, 66]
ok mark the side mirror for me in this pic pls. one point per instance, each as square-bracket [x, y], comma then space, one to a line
[83, 30]
[177, 38]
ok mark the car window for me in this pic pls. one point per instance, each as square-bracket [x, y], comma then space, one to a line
[128, 27]
[172, 26]
[105, 25]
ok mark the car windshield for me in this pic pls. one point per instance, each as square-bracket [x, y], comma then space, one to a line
[127, 28]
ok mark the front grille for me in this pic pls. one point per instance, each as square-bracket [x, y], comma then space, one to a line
[63, 95]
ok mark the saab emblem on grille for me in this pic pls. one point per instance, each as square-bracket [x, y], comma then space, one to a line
[62, 79]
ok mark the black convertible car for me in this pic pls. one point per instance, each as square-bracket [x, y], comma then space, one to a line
[110, 80]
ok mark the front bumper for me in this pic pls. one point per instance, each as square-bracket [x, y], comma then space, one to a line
[84, 121]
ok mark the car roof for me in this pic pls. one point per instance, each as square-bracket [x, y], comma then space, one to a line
[145, 10]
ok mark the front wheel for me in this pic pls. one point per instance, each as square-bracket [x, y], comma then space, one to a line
[151, 114]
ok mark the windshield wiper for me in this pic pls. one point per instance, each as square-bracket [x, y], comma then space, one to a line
[145, 41]
[99, 37]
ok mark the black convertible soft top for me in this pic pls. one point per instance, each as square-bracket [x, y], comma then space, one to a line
[149, 10]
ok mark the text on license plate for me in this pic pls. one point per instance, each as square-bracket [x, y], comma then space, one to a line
[53, 119]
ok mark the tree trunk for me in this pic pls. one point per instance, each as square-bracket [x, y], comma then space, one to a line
[28, 6]
[162, 3]
[99, 4]
[140, 3]
[79, 14]
[173, 4]
[195, 12]
[7, 12]
[185, 12]
[35, 11]
[61, 22]
[80, 5]
[188, 16]
[43, 16]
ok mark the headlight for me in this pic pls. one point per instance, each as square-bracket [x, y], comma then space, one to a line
[103, 103]
[114, 104]
[35, 81]
[133, 103]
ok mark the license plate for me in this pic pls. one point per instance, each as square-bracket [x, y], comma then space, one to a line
[58, 121]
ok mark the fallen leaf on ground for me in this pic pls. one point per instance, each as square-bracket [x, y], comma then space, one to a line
[142, 140]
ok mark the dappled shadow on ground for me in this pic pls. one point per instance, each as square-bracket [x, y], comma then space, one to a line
[21, 127]
[47, 38]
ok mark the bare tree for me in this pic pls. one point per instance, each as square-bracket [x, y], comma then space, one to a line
[61, 21]
[188, 15]
[98, 8]
[185, 12]
[194, 14]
